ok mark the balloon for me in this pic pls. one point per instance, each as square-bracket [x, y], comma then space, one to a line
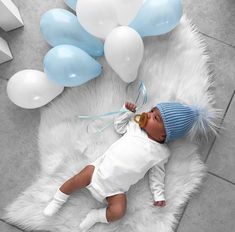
[97, 17]
[126, 10]
[157, 17]
[31, 89]
[71, 4]
[60, 26]
[68, 65]
[123, 49]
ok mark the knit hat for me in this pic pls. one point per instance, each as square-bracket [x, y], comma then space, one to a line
[180, 119]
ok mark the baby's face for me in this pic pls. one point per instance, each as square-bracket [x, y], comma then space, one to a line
[155, 126]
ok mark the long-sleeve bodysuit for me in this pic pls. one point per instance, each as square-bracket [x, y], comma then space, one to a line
[127, 160]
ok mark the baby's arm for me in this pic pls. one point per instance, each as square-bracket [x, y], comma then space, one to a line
[122, 120]
[156, 182]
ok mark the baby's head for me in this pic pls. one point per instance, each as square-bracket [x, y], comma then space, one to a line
[168, 121]
[152, 123]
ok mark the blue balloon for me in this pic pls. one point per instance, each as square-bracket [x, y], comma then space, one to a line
[157, 17]
[68, 65]
[60, 26]
[71, 3]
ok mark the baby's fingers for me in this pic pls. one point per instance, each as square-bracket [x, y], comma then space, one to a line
[127, 104]
[130, 106]
[160, 203]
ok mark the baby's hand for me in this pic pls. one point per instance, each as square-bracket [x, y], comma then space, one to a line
[159, 203]
[130, 106]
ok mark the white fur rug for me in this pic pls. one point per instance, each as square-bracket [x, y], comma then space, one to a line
[175, 67]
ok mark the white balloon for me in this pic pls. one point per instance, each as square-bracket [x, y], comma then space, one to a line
[124, 49]
[97, 17]
[127, 10]
[31, 89]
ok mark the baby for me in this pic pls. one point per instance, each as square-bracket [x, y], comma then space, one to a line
[142, 148]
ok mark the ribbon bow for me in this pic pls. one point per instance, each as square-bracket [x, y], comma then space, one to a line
[141, 90]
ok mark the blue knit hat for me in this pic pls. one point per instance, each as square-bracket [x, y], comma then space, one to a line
[179, 119]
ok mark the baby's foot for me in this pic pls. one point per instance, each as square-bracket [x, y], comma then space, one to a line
[52, 207]
[94, 216]
[89, 221]
[59, 199]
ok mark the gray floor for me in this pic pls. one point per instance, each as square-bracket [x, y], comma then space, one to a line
[213, 208]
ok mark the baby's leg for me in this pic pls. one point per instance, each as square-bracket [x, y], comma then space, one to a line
[81, 180]
[115, 210]
[116, 207]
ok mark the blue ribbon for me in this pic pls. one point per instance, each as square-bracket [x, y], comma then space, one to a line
[141, 90]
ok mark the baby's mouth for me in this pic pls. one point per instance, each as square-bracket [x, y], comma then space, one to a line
[141, 119]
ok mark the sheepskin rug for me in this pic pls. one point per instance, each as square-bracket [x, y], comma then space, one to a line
[174, 67]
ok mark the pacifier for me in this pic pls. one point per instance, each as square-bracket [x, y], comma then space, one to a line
[141, 119]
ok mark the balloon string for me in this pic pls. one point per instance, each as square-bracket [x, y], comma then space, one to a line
[141, 90]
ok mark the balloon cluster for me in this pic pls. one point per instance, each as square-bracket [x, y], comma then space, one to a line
[110, 27]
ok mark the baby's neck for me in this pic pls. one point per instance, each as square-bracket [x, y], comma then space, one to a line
[149, 136]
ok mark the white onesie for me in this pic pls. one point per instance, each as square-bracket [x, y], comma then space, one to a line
[127, 160]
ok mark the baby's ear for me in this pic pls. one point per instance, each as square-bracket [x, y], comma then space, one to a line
[163, 137]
